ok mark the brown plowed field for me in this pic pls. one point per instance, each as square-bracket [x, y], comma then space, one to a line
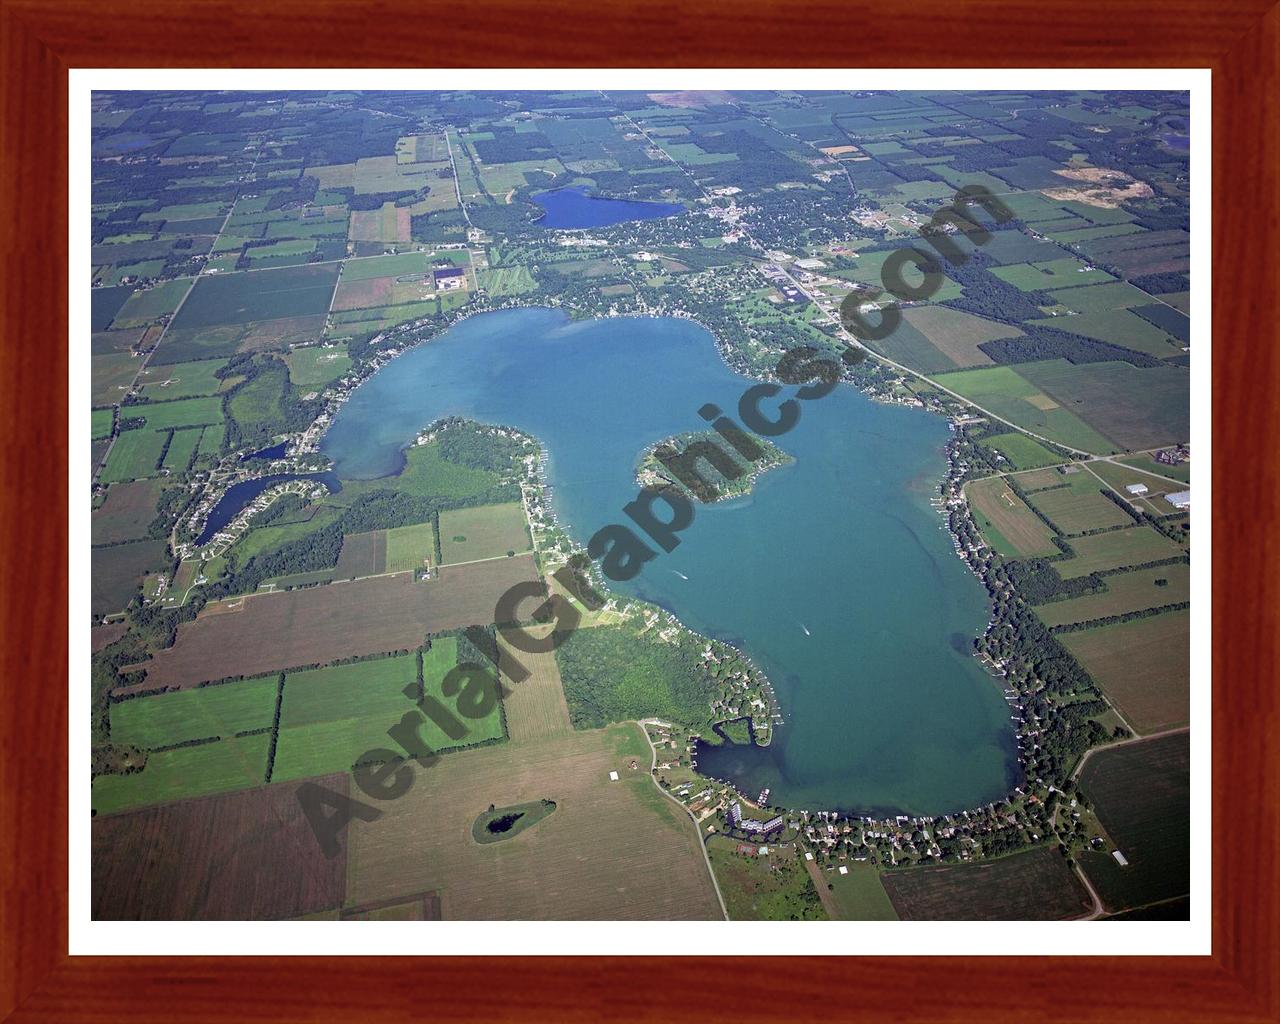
[242, 856]
[317, 625]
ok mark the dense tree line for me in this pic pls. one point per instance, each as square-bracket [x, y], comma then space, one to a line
[1048, 343]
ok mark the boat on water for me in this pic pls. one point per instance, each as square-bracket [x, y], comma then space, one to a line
[763, 797]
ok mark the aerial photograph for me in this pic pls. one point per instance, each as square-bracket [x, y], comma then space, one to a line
[598, 505]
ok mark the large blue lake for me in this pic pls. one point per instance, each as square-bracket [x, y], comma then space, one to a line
[570, 208]
[834, 575]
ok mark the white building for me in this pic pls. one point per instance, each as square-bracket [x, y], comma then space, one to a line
[1137, 488]
[1180, 499]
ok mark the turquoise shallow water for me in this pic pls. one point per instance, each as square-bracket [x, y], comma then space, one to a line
[834, 575]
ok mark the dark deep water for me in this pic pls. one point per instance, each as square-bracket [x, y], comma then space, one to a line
[239, 495]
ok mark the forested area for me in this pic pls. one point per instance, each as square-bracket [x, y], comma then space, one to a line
[613, 674]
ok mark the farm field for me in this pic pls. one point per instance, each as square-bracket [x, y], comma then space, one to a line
[1066, 272]
[1143, 666]
[1021, 451]
[127, 512]
[322, 624]
[362, 554]
[1080, 505]
[110, 377]
[1126, 592]
[1135, 407]
[198, 343]
[101, 422]
[186, 772]
[957, 334]
[242, 856]
[135, 454]
[1034, 885]
[117, 570]
[331, 717]
[1115, 549]
[1006, 522]
[535, 707]
[1020, 401]
[250, 296]
[185, 380]
[148, 305]
[388, 225]
[860, 895]
[1141, 793]
[186, 412]
[488, 531]
[611, 851]
[316, 365]
[410, 548]
[166, 719]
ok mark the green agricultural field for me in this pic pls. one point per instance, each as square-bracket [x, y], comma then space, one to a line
[182, 449]
[1142, 794]
[101, 420]
[1008, 394]
[1135, 407]
[775, 887]
[1081, 505]
[184, 773]
[1143, 666]
[1034, 885]
[332, 716]
[1126, 592]
[186, 412]
[110, 375]
[859, 895]
[1098, 298]
[135, 454]
[490, 531]
[182, 380]
[1121, 327]
[410, 547]
[258, 295]
[1116, 549]
[116, 573]
[1005, 522]
[165, 719]
[1047, 275]
[126, 512]
[400, 265]
[315, 366]
[211, 439]
[1021, 451]
[146, 307]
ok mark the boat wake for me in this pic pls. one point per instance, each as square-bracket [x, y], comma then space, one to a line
[680, 574]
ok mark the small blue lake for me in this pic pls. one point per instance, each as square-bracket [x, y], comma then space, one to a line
[239, 495]
[570, 208]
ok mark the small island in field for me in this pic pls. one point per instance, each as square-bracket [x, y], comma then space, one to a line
[499, 823]
[652, 472]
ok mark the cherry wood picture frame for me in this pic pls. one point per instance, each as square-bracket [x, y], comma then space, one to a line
[41, 39]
